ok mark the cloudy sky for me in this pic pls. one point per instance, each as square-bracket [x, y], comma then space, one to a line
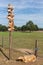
[24, 10]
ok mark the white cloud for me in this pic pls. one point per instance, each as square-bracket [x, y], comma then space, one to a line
[29, 16]
[29, 4]
[23, 18]
[19, 4]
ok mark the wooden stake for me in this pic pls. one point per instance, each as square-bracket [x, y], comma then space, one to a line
[2, 39]
[36, 48]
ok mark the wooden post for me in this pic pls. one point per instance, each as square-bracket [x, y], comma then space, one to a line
[10, 44]
[11, 27]
[2, 41]
[36, 48]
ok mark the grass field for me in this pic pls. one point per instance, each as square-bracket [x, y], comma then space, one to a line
[23, 40]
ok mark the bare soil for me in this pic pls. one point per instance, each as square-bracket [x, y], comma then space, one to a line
[14, 55]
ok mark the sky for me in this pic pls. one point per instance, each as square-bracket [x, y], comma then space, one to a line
[24, 10]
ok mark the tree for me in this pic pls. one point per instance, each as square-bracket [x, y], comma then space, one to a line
[31, 26]
[15, 28]
[19, 28]
[36, 27]
[3, 28]
[29, 23]
[0, 27]
[24, 28]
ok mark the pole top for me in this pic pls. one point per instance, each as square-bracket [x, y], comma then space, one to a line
[10, 6]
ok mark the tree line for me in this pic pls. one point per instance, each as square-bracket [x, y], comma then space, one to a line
[3, 28]
[29, 26]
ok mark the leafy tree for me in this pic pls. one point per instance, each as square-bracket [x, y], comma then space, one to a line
[31, 26]
[19, 28]
[29, 23]
[3, 28]
[24, 28]
[36, 27]
[15, 28]
[0, 27]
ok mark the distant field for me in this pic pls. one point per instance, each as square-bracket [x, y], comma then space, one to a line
[23, 40]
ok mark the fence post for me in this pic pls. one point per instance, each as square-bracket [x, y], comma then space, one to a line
[2, 41]
[36, 47]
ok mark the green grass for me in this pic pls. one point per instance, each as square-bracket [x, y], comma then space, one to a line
[23, 40]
